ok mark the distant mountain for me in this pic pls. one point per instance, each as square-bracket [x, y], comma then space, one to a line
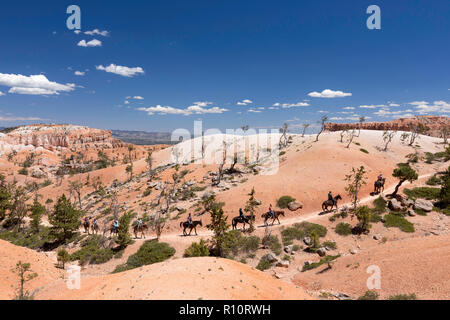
[142, 137]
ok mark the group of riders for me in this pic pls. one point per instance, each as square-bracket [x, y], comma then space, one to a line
[270, 212]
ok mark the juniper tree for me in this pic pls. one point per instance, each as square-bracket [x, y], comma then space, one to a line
[219, 227]
[404, 173]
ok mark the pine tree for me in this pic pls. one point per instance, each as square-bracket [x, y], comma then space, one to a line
[219, 226]
[65, 219]
[124, 238]
[404, 173]
[63, 257]
[37, 210]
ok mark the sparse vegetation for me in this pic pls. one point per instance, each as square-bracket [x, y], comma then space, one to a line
[411, 296]
[369, 295]
[150, 252]
[398, 221]
[422, 192]
[314, 265]
[343, 229]
[197, 249]
[283, 201]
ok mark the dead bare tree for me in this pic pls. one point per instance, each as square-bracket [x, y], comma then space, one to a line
[305, 126]
[351, 135]
[322, 123]
[283, 139]
[387, 138]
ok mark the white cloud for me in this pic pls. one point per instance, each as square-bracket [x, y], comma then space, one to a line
[424, 107]
[203, 103]
[349, 108]
[34, 84]
[92, 43]
[21, 119]
[1, 94]
[244, 102]
[194, 109]
[254, 111]
[138, 98]
[77, 31]
[121, 70]
[127, 102]
[368, 107]
[79, 73]
[327, 93]
[394, 105]
[291, 105]
[96, 31]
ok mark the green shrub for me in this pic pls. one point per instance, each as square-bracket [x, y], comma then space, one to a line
[93, 251]
[284, 201]
[411, 296]
[309, 227]
[147, 192]
[197, 249]
[369, 295]
[23, 171]
[420, 212]
[314, 265]
[263, 264]
[380, 205]
[282, 153]
[275, 245]
[398, 221]
[330, 244]
[250, 244]
[343, 229]
[363, 150]
[150, 252]
[289, 234]
[433, 181]
[422, 192]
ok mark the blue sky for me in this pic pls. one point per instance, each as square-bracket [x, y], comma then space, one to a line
[193, 60]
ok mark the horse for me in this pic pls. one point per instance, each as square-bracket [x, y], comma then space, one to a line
[194, 225]
[86, 225]
[244, 220]
[95, 228]
[331, 203]
[141, 229]
[275, 216]
[379, 186]
[113, 230]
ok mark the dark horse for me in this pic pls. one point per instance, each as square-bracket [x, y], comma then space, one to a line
[331, 203]
[378, 186]
[141, 229]
[86, 225]
[244, 220]
[275, 216]
[194, 225]
[113, 230]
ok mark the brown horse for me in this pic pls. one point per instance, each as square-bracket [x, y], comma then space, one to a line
[275, 216]
[141, 229]
[331, 203]
[378, 186]
[244, 220]
[194, 225]
[95, 228]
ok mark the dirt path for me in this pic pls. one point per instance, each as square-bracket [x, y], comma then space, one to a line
[178, 237]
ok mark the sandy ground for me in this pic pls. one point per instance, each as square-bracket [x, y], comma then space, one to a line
[190, 278]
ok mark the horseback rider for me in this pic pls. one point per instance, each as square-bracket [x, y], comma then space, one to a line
[95, 223]
[331, 198]
[139, 223]
[115, 225]
[86, 220]
[241, 214]
[271, 212]
[189, 219]
[380, 177]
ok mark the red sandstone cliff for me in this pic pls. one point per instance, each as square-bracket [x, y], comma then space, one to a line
[434, 123]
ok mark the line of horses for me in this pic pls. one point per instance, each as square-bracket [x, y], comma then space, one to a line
[327, 206]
